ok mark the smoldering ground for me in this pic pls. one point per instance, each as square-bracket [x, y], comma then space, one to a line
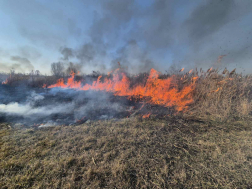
[57, 106]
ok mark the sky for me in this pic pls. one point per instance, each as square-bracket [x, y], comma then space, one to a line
[140, 34]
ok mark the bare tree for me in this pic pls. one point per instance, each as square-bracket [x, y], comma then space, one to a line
[37, 72]
[57, 69]
[12, 71]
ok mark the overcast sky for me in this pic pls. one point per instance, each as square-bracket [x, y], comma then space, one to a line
[139, 34]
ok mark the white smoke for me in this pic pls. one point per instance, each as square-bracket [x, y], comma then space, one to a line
[28, 108]
[59, 106]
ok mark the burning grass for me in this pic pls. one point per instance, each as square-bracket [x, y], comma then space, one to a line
[164, 92]
[197, 94]
[202, 141]
[130, 153]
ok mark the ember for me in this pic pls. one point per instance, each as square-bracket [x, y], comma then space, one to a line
[147, 115]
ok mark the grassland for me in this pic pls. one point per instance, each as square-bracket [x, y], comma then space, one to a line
[207, 146]
[128, 153]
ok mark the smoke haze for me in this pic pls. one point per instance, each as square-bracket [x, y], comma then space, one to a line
[138, 34]
[58, 106]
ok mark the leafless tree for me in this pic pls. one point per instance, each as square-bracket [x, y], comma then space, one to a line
[37, 72]
[57, 69]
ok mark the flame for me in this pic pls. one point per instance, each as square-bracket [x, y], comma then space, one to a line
[5, 82]
[182, 69]
[162, 92]
[194, 78]
[222, 82]
[147, 115]
[190, 71]
[70, 83]
[217, 90]
[80, 120]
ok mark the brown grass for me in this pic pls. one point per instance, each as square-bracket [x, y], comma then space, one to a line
[222, 96]
[218, 95]
[130, 153]
[212, 150]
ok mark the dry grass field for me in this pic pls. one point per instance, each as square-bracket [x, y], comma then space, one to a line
[207, 146]
[129, 153]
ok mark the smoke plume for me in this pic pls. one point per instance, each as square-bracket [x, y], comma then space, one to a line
[138, 34]
[57, 106]
[185, 34]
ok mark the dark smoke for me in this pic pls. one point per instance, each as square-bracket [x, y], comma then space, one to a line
[159, 33]
[134, 59]
[67, 53]
[195, 33]
[208, 18]
[215, 28]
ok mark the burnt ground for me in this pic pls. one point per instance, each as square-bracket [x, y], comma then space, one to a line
[128, 153]
[50, 107]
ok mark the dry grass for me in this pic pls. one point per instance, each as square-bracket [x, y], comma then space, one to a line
[130, 153]
[29, 80]
[213, 151]
[221, 96]
[218, 96]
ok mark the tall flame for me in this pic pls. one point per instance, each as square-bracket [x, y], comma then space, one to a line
[163, 92]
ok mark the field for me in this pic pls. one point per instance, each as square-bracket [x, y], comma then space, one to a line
[206, 145]
[129, 153]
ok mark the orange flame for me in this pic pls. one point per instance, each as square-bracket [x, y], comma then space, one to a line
[147, 115]
[70, 83]
[190, 71]
[182, 69]
[5, 82]
[217, 90]
[163, 92]
[210, 69]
